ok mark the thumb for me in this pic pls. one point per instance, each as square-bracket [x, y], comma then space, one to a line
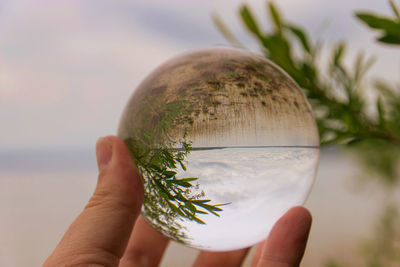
[99, 235]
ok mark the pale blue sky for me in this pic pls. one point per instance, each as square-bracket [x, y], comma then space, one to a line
[67, 68]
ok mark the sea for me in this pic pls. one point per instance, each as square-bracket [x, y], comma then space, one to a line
[42, 191]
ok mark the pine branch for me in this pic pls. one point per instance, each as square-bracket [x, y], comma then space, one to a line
[169, 199]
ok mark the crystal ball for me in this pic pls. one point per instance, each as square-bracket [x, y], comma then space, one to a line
[225, 142]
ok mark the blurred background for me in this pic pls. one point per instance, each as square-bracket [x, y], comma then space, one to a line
[67, 68]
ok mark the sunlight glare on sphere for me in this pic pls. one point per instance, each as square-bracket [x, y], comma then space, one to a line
[226, 143]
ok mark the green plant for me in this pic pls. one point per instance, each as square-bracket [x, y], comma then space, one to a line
[337, 95]
[388, 26]
[169, 200]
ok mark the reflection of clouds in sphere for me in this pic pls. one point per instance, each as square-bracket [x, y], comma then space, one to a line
[261, 184]
[254, 145]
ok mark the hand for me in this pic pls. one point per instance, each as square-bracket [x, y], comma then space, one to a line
[110, 232]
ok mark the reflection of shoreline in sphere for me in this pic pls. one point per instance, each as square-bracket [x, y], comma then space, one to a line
[244, 131]
[261, 183]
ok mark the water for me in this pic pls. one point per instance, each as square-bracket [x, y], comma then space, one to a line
[260, 183]
[333, 203]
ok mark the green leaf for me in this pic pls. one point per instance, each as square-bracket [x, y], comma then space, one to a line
[225, 31]
[201, 201]
[361, 66]
[164, 191]
[180, 197]
[175, 209]
[381, 111]
[249, 21]
[180, 183]
[223, 204]
[279, 51]
[196, 219]
[164, 195]
[390, 39]
[169, 174]
[338, 53]
[302, 36]
[380, 23]
[208, 207]
[187, 213]
[155, 167]
[189, 179]
[275, 16]
[190, 207]
[182, 165]
[169, 159]
[213, 212]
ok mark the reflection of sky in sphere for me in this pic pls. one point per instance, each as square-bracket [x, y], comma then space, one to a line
[260, 183]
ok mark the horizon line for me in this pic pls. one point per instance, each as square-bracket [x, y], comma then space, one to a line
[223, 147]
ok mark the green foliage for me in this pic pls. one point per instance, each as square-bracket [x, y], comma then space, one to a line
[169, 200]
[337, 91]
[151, 129]
[337, 95]
[389, 27]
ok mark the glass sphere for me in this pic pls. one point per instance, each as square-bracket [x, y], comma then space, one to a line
[225, 142]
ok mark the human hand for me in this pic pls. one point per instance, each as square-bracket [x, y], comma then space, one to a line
[110, 232]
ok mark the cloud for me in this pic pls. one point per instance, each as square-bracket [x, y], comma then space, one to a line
[65, 80]
[178, 22]
[67, 68]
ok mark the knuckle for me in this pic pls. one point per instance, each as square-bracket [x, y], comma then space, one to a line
[105, 200]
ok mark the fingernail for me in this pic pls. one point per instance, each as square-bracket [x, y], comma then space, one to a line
[103, 152]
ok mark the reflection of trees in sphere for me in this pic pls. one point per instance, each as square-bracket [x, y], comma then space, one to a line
[225, 142]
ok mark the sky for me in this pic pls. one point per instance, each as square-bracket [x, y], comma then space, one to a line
[67, 68]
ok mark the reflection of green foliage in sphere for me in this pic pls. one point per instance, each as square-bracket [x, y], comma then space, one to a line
[210, 98]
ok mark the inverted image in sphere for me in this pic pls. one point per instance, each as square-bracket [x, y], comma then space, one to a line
[225, 142]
